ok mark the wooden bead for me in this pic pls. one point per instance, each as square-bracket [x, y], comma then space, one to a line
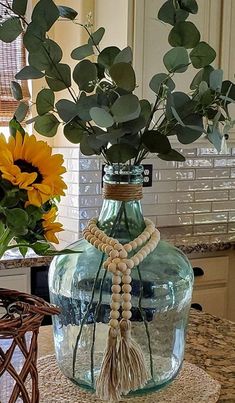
[122, 254]
[126, 297]
[143, 252]
[126, 279]
[112, 241]
[114, 314]
[116, 297]
[114, 323]
[97, 233]
[127, 272]
[108, 249]
[126, 306]
[118, 247]
[135, 260]
[116, 289]
[93, 230]
[116, 260]
[126, 288]
[113, 254]
[93, 239]
[129, 263]
[143, 238]
[138, 241]
[104, 238]
[122, 266]
[147, 249]
[115, 305]
[88, 237]
[134, 245]
[128, 247]
[112, 267]
[126, 315]
[140, 256]
[116, 280]
[97, 243]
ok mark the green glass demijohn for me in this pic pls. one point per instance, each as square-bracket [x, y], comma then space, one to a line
[161, 297]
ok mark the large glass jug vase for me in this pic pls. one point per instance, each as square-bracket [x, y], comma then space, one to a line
[161, 297]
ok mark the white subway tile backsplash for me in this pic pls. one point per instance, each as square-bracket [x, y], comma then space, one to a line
[87, 164]
[206, 151]
[88, 213]
[195, 163]
[223, 184]
[162, 186]
[170, 174]
[232, 194]
[212, 173]
[71, 224]
[210, 218]
[193, 207]
[210, 229]
[175, 197]
[73, 189]
[70, 201]
[73, 165]
[211, 195]
[91, 189]
[90, 177]
[224, 162]
[159, 209]
[194, 185]
[223, 206]
[91, 201]
[174, 220]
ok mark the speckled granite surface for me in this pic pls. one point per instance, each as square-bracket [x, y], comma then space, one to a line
[13, 261]
[210, 345]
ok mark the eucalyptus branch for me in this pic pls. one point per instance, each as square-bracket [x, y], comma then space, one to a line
[90, 35]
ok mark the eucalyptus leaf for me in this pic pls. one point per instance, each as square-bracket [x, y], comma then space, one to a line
[187, 134]
[134, 126]
[176, 116]
[84, 105]
[46, 13]
[107, 56]
[16, 90]
[47, 125]
[101, 117]
[167, 12]
[34, 36]
[124, 76]
[46, 55]
[74, 132]
[216, 79]
[67, 12]
[202, 55]
[82, 52]
[156, 142]
[176, 60]
[215, 137]
[85, 75]
[185, 34]
[202, 75]
[29, 73]
[121, 153]
[125, 56]
[91, 145]
[45, 101]
[172, 155]
[19, 6]
[21, 111]
[145, 109]
[228, 91]
[10, 29]
[189, 5]
[125, 108]
[59, 77]
[112, 135]
[66, 109]
[159, 80]
[96, 37]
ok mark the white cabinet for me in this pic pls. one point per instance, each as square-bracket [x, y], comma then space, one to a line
[211, 284]
[16, 279]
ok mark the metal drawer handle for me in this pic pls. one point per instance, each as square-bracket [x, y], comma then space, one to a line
[198, 307]
[198, 271]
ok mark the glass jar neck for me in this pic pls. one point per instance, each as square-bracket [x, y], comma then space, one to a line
[120, 219]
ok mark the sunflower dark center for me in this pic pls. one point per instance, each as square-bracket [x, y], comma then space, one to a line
[26, 166]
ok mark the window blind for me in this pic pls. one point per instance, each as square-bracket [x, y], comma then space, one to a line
[12, 60]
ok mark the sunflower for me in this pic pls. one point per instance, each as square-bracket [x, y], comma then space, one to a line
[29, 164]
[50, 227]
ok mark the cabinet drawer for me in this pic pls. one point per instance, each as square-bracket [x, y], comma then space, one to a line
[210, 270]
[16, 282]
[212, 300]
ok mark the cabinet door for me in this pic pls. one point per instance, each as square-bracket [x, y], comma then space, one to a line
[17, 282]
[212, 300]
[151, 40]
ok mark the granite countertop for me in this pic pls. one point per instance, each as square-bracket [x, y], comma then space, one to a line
[15, 260]
[210, 345]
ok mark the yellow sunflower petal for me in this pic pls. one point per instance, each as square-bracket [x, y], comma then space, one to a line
[34, 198]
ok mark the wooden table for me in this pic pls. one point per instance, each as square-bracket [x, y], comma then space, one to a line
[210, 345]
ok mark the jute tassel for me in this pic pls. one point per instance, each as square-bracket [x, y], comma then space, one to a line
[107, 384]
[133, 373]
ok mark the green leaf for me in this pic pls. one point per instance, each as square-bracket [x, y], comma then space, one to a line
[45, 101]
[84, 105]
[145, 109]
[111, 135]
[29, 73]
[159, 80]
[124, 76]
[19, 6]
[176, 60]
[228, 90]
[156, 142]
[189, 5]
[40, 248]
[67, 12]
[184, 34]
[176, 116]
[202, 75]
[73, 132]
[46, 13]
[125, 56]
[91, 145]
[66, 109]
[34, 36]
[207, 98]
[59, 78]
[96, 37]
[215, 137]
[101, 117]
[172, 155]
[216, 79]
[202, 55]
[188, 134]
[167, 12]
[15, 126]
[21, 111]
[82, 51]
[125, 108]
[120, 153]
[85, 75]
[16, 90]
[47, 125]
[10, 29]
[107, 56]
[46, 54]
[16, 218]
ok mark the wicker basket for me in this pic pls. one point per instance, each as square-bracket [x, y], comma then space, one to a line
[20, 318]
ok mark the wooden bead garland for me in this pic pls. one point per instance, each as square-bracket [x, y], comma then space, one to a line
[131, 358]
